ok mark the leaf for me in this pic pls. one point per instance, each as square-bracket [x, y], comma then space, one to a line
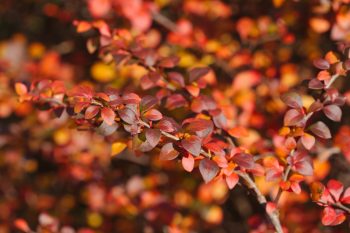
[301, 163]
[153, 136]
[175, 101]
[335, 188]
[21, 89]
[177, 78]
[332, 217]
[244, 160]
[232, 180]
[127, 115]
[169, 62]
[333, 112]
[153, 115]
[193, 90]
[192, 144]
[293, 117]
[292, 99]
[308, 141]
[168, 152]
[317, 189]
[321, 130]
[315, 84]
[199, 126]
[117, 148]
[166, 126]
[328, 216]
[91, 111]
[238, 132]
[197, 73]
[188, 162]
[208, 169]
[108, 115]
[323, 75]
[148, 102]
[316, 106]
[346, 196]
[321, 64]
[22, 225]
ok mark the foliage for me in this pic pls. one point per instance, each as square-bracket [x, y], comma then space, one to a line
[232, 91]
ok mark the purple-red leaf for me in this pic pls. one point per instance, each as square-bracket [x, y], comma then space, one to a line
[293, 117]
[192, 144]
[197, 73]
[168, 152]
[333, 112]
[315, 84]
[244, 160]
[127, 115]
[322, 64]
[208, 169]
[292, 99]
[321, 130]
[153, 136]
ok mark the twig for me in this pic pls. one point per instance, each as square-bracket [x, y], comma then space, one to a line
[262, 200]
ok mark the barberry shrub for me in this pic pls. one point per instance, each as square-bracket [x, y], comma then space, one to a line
[180, 89]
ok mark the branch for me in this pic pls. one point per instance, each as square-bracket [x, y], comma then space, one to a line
[262, 200]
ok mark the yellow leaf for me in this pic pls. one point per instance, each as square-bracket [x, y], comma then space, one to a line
[118, 147]
[278, 3]
[102, 72]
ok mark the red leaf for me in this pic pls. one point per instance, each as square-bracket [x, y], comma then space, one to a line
[244, 160]
[208, 169]
[332, 217]
[335, 188]
[292, 99]
[321, 64]
[197, 73]
[166, 126]
[293, 117]
[22, 225]
[188, 162]
[323, 75]
[308, 141]
[108, 115]
[168, 152]
[238, 132]
[321, 130]
[91, 111]
[153, 136]
[333, 112]
[192, 144]
[193, 90]
[153, 115]
[346, 196]
[328, 216]
[232, 180]
[127, 115]
[169, 62]
[175, 101]
[199, 126]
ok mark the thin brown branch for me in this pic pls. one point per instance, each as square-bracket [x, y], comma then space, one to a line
[273, 216]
